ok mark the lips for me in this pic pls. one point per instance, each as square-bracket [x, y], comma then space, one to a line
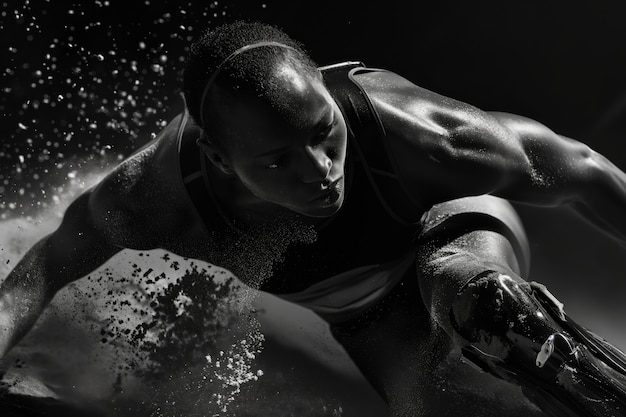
[333, 188]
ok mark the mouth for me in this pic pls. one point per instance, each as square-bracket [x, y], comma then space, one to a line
[330, 194]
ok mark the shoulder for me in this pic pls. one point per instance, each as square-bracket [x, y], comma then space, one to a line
[141, 204]
[436, 143]
[400, 99]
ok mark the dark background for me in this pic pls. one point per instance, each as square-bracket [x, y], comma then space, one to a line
[85, 83]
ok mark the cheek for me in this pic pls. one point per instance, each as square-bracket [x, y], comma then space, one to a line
[338, 151]
[266, 185]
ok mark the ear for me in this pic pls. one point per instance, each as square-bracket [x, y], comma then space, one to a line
[215, 155]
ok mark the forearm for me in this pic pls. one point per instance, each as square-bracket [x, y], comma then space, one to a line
[602, 198]
[566, 172]
[23, 296]
[547, 169]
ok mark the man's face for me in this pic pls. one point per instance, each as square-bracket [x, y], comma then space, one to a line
[292, 153]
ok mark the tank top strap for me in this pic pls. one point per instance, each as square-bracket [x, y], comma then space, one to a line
[368, 141]
[192, 174]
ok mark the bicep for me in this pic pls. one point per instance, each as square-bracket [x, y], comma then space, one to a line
[441, 147]
[445, 149]
[501, 154]
[447, 152]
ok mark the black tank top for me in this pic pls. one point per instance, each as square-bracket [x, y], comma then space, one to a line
[378, 219]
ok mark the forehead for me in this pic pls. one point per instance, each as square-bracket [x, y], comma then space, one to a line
[296, 95]
[296, 104]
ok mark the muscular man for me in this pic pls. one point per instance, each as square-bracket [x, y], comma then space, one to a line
[372, 201]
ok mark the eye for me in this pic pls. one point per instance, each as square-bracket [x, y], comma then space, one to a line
[328, 129]
[323, 135]
[332, 153]
[276, 164]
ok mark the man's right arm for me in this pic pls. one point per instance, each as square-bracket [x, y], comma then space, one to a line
[75, 249]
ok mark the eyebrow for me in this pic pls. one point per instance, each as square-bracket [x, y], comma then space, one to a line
[273, 151]
[327, 119]
[321, 124]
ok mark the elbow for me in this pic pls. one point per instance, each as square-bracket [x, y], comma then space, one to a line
[592, 163]
[588, 171]
[574, 177]
[596, 176]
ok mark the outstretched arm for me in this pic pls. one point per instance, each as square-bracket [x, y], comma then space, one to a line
[522, 160]
[446, 149]
[74, 250]
[556, 170]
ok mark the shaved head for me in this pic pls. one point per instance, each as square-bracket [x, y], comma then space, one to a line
[264, 74]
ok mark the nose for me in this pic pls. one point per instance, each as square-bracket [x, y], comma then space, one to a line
[317, 165]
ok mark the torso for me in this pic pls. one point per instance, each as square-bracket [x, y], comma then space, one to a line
[284, 258]
[361, 233]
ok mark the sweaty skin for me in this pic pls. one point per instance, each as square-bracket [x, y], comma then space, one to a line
[446, 149]
[289, 161]
[282, 155]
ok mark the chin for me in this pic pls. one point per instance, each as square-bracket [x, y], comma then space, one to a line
[323, 209]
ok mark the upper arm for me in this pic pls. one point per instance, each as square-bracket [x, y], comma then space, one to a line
[445, 149]
[78, 246]
[98, 224]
